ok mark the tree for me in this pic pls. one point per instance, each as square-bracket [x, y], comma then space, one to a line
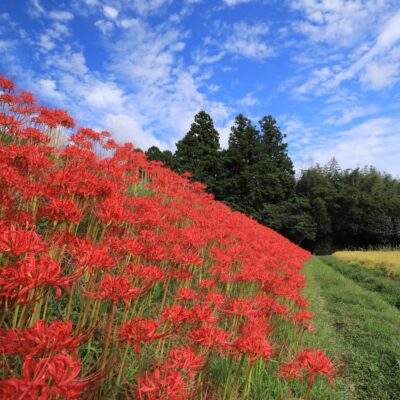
[198, 151]
[166, 157]
[239, 160]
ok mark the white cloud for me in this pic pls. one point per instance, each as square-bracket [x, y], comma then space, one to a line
[248, 41]
[371, 142]
[380, 75]
[340, 22]
[104, 26]
[36, 9]
[6, 44]
[47, 88]
[377, 65]
[248, 100]
[235, 2]
[128, 129]
[110, 12]
[68, 60]
[350, 114]
[61, 15]
[145, 7]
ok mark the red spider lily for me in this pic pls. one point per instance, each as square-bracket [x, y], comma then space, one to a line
[160, 385]
[6, 84]
[19, 241]
[46, 379]
[184, 358]
[40, 340]
[30, 273]
[211, 337]
[176, 315]
[116, 289]
[308, 363]
[290, 370]
[62, 210]
[254, 347]
[33, 135]
[140, 330]
[240, 306]
[54, 118]
[302, 317]
[202, 313]
[214, 298]
[316, 362]
[186, 294]
[148, 273]
[27, 97]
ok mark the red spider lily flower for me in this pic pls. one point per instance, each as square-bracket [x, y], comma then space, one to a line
[254, 347]
[240, 306]
[19, 241]
[211, 337]
[112, 210]
[86, 254]
[6, 84]
[184, 358]
[50, 378]
[42, 339]
[302, 317]
[207, 283]
[8, 98]
[34, 135]
[105, 134]
[80, 140]
[160, 385]
[27, 98]
[202, 313]
[214, 298]
[30, 273]
[316, 362]
[175, 315]
[290, 370]
[62, 210]
[54, 118]
[255, 326]
[90, 133]
[186, 294]
[140, 330]
[116, 289]
[148, 273]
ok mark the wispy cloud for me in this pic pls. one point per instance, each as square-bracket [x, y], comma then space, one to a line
[248, 40]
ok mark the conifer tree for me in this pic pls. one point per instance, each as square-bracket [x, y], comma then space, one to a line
[198, 151]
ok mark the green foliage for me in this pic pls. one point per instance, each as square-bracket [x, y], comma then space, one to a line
[166, 157]
[198, 151]
[326, 209]
[374, 280]
[366, 331]
[352, 208]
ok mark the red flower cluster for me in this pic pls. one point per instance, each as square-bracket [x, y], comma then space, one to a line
[102, 251]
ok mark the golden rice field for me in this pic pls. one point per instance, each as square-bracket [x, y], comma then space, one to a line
[388, 260]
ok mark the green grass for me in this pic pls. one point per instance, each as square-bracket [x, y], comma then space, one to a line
[361, 328]
[374, 280]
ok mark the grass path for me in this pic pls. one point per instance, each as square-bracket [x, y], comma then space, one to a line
[374, 280]
[360, 328]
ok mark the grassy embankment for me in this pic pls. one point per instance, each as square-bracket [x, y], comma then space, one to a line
[360, 326]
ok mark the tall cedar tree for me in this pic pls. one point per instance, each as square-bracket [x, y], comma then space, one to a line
[198, 152]
[240, 160]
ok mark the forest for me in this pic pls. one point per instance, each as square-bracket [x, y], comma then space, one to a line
[323, 208]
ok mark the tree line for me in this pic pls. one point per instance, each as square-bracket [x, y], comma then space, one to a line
[324, 209]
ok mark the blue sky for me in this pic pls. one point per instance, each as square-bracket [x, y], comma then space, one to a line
[327, 70]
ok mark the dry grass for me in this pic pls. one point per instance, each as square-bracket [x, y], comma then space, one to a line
[387, 260]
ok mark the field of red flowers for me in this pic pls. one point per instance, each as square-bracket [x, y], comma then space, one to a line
[121, 279]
